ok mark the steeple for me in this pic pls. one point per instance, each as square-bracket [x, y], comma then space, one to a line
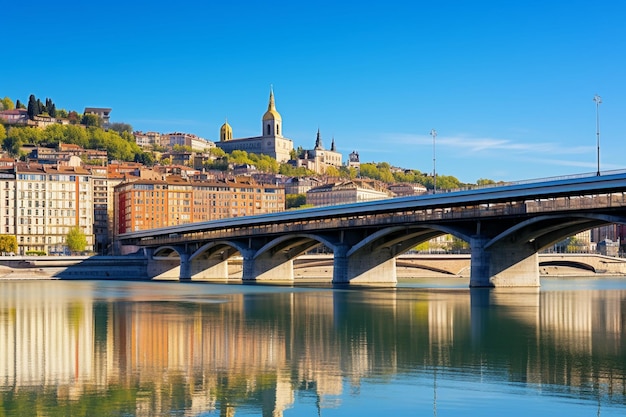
[271, 118]
[318, 141]
[226, 132]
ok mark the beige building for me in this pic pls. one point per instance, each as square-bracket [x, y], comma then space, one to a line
[42, 203]
[318, 158]
[271, 142]
[169, 140]
[344, 192]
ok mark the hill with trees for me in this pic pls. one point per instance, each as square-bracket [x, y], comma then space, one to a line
[118, 140]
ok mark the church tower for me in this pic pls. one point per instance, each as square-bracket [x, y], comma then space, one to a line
[271, 119]
[226, 132]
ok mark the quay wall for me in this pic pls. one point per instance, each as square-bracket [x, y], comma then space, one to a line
[135, 267]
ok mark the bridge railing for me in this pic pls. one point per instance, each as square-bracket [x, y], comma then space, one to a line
[534, 181]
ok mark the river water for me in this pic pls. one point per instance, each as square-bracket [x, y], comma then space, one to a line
[428, 347]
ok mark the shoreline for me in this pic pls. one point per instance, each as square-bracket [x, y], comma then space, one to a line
[307, 268]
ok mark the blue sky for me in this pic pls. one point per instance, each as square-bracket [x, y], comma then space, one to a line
[508, 86]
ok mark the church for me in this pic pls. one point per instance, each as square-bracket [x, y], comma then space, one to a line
[271, 142]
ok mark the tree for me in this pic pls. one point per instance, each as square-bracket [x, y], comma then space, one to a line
[76, 240]
[7, 104]
[121, 127]
[8, 243]
[295, 200]
[91, 120]
[19, 105]
[73, 117]
[33, 109]
[3, 133]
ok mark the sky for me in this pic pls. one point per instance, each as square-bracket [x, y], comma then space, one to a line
[508, 86]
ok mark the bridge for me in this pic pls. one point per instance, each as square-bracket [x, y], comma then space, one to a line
[506, 226]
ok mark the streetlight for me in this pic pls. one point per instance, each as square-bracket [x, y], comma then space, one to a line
[598, 100]
[433, 133]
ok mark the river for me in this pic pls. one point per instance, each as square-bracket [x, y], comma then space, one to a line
[428, 347]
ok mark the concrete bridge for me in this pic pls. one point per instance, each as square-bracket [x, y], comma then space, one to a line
[505, 226]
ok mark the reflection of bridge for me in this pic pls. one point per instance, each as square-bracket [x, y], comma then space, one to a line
[505, 226]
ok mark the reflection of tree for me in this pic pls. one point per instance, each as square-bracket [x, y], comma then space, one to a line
[257, 350]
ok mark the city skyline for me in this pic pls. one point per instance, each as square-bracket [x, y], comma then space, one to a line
[508, 88]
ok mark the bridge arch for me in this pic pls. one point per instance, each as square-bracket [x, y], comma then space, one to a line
[274, 260]
[400, 239]
[542, 231]
[168, 251]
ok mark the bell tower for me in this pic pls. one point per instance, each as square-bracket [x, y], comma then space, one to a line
[272, 122]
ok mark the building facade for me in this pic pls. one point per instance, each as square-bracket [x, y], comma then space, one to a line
[319, 159]
[151, 203]
[344, 192]
[271, 142]
[41, 203]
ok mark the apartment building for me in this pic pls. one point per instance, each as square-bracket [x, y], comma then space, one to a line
[345, 192]
[41, 203]
[151, 203]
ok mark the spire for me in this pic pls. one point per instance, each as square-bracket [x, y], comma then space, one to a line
[271, 105]
[271, 113]
[318, 141]
[332, 145]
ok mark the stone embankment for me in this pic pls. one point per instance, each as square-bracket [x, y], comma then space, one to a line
[305, 267]
[73, 267]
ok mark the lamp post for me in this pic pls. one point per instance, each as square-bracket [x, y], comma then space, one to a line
[433, 133]
[598, 100]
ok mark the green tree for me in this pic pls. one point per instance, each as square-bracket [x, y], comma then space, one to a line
[62, 114]
[121, 127]
[295, 200]
[76, 240]
[217, 152]
[332, 171]
[33, 109]
[3, 133]
[8, 243]
[19, 105]
[7, 104]
[484, 181]
[91, 120]
[145, 158]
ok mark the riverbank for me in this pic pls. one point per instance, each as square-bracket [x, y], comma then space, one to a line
[306, 268]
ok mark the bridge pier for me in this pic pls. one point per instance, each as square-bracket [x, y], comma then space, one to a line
[209, 269]
[185, 267]
[363, 267]
[503, 265]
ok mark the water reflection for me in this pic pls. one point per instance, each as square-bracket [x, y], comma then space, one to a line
[93, 348]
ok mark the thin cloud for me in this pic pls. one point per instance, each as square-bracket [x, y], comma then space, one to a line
[481, 145]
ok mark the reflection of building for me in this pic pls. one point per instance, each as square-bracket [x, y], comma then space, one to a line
[345, 192]
[270, 143]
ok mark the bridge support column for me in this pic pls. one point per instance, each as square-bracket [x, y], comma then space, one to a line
[503, 265]
[364, 267]
[209, 269]
[248, 273]
[340, 264]
[185, 267]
